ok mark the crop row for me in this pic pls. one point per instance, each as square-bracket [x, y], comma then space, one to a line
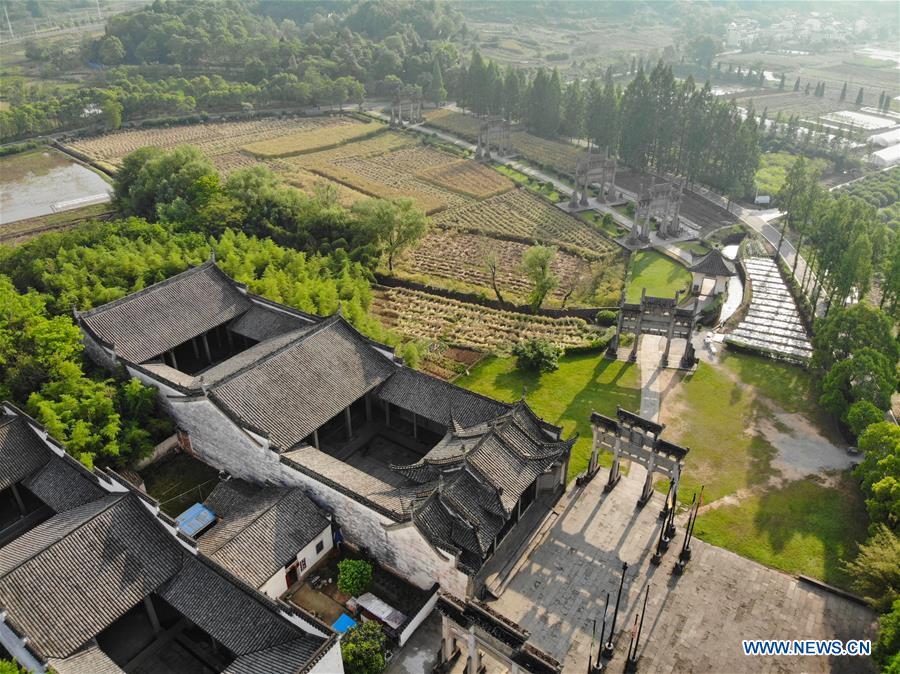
[213, 138]
[468, 178]
[522, 215]
[312, 140]
[445, 254]
[425, 316]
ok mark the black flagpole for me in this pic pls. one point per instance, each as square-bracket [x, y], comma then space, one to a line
[608, 651]
[591, 649]
[602, 632]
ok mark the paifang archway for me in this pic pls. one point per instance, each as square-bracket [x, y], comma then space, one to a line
[633, 437]
[657, 316]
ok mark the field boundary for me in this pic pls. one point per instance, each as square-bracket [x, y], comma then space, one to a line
[320, 148]
[588, 314]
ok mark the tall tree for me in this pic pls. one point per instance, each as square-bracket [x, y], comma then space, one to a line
[536, 265]
[437, 94]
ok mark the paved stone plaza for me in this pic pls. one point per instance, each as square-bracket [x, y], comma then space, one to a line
[694, 623]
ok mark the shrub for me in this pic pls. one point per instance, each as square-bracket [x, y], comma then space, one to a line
[887, 649]
[876, 570]
[362, 648]
[537, 354]
[354, 576]
[862, 414]
[607, 317]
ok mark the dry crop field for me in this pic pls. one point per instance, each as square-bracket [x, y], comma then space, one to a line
[522, 216]
[397, 165]
[221, 141]
[558, 155]
[424, 316]
[312, 140]
[453, 258]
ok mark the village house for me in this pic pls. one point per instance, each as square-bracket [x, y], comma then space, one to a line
[430, 478]
[269, 537]
[94, 578]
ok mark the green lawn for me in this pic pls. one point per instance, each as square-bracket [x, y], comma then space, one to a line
[659, 274]
[803, 527]
[583, 383]
[713, 412]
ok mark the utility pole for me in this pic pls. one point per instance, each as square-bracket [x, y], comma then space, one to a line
[99, 13]
[12, 36]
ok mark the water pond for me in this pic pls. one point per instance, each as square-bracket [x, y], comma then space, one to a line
[46, 181]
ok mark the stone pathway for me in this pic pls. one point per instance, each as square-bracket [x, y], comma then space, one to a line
[649, 355]
[695, 622]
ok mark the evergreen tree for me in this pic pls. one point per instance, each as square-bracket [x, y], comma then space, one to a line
[437, 94]
[781, 83]
[572, 124]
[844, 92]
[859, 97]
[797, 85]
[511, 94]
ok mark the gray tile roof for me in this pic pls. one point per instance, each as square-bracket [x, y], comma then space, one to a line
[89, 660]
[295, 390]
[151, 321]
[437, 400]
[21, 451]
[713, 264]
[70, 577]
[262, 322]
[237, 616]
[261, 528]
[288, 658]
[63, 486]
[482, 472]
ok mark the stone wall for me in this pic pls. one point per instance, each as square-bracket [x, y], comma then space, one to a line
[399, 547]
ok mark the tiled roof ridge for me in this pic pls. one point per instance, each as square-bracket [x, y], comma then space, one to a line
[484, 480]
[113, 498]
[153, 287]
[307, 332]
[450, 384]
[254, 594]
[258, 515]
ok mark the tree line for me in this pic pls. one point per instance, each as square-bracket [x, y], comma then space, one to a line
[175, 58]
[654, 122]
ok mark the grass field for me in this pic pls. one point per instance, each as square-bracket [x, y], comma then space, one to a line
[773, 168]
[584, 383]
[659, 274]
[715, 411]
[802, 527]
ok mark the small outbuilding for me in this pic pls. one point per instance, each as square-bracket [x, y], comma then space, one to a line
[267, 536]
[711, 273]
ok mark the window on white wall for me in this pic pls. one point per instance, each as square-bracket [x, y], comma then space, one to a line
[320, 546]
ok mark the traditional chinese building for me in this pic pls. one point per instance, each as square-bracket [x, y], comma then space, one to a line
[102, 581]
[430, 478]
[711, 273]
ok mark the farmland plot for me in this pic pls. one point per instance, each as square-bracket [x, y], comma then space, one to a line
[468, 178]
[520, 215]
[455, 257]
[213, 139]
[425, 316]
[558, 155]
[312, 140]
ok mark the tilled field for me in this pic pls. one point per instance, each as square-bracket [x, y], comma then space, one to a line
[214, 139]
[425, 316]
[522, 215]
[454, 256]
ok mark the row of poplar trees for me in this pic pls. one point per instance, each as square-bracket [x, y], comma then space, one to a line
[653, 122]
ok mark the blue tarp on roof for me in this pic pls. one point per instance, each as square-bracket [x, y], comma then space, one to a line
[343, 623]
[195, 519]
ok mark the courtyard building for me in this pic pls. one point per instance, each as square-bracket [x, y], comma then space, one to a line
[106, 583]
[431, 479]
